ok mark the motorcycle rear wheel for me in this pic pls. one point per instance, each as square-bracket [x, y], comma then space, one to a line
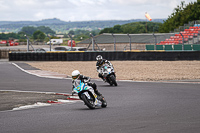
[113, 80]
[88, 102]
[104, 104]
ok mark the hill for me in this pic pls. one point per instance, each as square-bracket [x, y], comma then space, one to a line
[63, 27]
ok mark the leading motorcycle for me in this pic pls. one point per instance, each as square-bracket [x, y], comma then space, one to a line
[108, 74]
[87, 95]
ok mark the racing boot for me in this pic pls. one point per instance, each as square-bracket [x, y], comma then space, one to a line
[102, 99]
[99, 96]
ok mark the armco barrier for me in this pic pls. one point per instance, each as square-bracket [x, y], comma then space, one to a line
[91, 56]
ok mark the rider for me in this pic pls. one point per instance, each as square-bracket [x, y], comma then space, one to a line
[77, 77]
[100, 62]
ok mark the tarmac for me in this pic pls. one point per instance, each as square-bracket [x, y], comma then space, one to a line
[10, 100]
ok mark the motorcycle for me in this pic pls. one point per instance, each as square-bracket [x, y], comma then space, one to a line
[87, 95]
[108, 74]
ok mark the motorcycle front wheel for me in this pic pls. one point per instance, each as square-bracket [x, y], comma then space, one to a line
[88, 102]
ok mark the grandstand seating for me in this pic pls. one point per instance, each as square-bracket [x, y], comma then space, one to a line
[188, 34]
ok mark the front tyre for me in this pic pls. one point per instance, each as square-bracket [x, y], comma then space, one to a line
[88, 102]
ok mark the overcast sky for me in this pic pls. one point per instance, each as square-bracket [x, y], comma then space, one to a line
[84, 10]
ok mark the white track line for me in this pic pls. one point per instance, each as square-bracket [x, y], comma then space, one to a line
[38, 74]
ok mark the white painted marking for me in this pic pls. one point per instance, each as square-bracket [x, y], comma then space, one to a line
[66, 101]
[38, 92]
[36, 105]
[77, 97]
[38, 74]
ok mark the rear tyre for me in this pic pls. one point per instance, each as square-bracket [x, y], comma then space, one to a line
[104, 104]
[113, 80]
[88, 102]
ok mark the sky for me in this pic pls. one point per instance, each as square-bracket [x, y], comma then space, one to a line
[86, 10]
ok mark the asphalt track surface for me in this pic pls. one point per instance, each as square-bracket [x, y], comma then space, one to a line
[139, 107]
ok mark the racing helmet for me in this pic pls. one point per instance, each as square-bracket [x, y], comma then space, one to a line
[75, 74]
[99, 58]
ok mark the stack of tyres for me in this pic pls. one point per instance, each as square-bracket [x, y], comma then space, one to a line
[51, 56]
[35, 56]
[63, 56]
[90, 56]
[22, 56]
[42, 56]
[47, 56]
[55, 56]
[71, 57]
[28, 56]
[12, 56]
[17, 56]
[59, 56]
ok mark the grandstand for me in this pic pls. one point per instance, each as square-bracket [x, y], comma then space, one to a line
[189, 36]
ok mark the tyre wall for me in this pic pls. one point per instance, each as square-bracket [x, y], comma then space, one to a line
[91, 56]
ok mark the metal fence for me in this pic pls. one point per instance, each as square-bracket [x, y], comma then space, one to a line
[120, 42]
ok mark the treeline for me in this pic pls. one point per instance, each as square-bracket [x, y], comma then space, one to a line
[133, 28]
[36, 33]
[11, 36]
[29, 30]
[40, 34]
[181, 15]
[80, 35]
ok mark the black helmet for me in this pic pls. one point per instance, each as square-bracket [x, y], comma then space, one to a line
[99, 58]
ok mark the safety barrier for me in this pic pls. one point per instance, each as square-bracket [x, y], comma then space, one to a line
[187, 47]
[91, 56]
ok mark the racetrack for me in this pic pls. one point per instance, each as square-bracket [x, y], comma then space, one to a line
[142, 107]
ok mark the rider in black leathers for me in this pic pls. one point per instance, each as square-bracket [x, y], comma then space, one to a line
[100, 62]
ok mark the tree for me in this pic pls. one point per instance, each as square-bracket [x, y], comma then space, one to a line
[29, 30]
[39, 35]
[117, 29]
[181, 15]
[71, 32]
[46, 30]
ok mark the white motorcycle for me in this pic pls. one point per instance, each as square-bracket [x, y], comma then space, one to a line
[87, 95]
[108, 74]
